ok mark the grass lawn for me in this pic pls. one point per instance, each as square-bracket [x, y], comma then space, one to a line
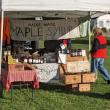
[57, 97]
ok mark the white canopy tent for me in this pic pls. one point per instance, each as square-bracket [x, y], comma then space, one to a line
[35, 5]
[53, 8]
[59, 8]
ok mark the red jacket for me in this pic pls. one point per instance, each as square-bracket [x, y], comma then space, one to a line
[101, 51]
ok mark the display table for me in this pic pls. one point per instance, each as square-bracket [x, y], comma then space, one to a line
[19, 76]
[47, 72]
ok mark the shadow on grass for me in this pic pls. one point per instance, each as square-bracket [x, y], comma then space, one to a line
[94, 95]
[54, 87]
[63, 89]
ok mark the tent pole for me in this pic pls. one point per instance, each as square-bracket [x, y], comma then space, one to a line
[90, 40]
[1, 36]
[89, 37]
[89, 32]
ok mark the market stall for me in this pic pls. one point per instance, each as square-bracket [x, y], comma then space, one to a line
[72, 13]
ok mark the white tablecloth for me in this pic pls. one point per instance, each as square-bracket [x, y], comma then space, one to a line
[48, 72]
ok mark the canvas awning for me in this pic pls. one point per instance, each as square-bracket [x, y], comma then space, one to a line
[57, 8]
[35, 5]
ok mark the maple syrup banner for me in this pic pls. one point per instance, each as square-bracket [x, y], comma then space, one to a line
[32, 30]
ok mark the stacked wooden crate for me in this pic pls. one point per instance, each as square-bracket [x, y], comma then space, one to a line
[77, 81]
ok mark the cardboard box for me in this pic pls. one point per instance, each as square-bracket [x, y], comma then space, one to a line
[88, 77]
[78, 66]
[15, 67]
[72, 79]
[19, 67]
[69, 58]
[84, 87]
[62, 58]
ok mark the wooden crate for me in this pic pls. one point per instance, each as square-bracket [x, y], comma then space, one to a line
[63, 68]
[84, 87]
[88, 77]
[72, 79]
[73, 87]
[69, 58]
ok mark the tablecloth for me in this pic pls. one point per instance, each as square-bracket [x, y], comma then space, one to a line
[47, 72]
[15, 76]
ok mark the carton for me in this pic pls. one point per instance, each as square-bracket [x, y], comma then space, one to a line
[72, 79]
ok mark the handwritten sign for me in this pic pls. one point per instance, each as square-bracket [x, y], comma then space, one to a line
[40, 30]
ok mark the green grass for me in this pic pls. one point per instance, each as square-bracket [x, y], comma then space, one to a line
[57, 97]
